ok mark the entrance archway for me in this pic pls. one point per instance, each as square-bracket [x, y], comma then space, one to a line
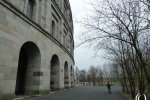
[71, 71]
[54, 73]
[27, 81]
[66, 75]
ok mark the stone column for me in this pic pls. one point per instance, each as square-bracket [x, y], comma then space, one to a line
[36, 9]
[25, 6]
[48, 16]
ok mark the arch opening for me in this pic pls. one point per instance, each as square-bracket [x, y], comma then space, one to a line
[66, 75]
[72, 75]
[27, 82]
[54, 73]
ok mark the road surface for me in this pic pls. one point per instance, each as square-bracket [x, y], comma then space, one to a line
[84, 93]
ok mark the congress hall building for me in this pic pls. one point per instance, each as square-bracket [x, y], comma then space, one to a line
[36, 46]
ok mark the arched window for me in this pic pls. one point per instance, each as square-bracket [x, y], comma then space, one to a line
[53, 28]
[30, 9]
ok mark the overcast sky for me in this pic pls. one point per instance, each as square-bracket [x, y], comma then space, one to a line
[84, 57]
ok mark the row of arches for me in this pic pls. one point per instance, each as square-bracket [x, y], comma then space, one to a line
[28, 73]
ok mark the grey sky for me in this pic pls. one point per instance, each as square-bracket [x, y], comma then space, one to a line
[83, 56]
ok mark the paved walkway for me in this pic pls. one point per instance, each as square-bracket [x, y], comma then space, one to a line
[84, 93]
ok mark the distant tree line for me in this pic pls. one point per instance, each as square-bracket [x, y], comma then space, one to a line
[96, 75]
[93, 75]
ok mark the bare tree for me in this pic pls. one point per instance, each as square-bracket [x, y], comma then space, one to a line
[106, 72]
[147, 3]
[82, 75]
[123, 21]
[77, 75]
[93, 74]
[100, 79]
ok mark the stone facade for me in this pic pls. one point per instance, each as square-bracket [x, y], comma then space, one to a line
[36, 46]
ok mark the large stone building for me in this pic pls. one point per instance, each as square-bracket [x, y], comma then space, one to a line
[36, 46]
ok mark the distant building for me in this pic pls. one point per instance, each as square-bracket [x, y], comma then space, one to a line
[36, 46]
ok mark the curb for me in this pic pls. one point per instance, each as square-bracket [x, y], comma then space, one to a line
[25, 97]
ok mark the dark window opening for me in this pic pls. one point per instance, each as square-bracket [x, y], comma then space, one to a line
[30, 9]
[53, 28]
